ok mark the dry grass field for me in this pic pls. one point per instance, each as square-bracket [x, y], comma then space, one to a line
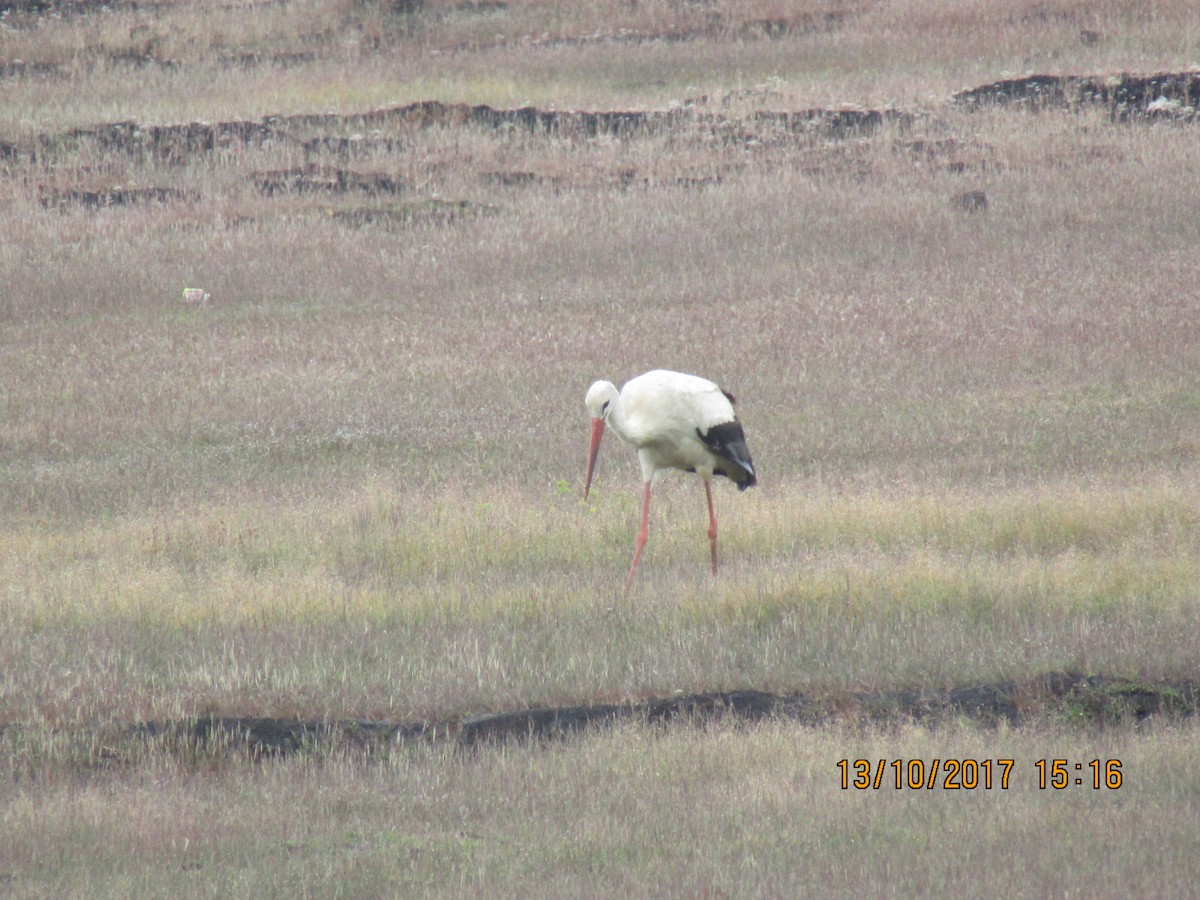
[298, 305]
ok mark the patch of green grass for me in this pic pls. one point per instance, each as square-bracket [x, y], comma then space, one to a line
[445, 604]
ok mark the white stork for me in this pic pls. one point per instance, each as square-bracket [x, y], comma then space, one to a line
[675, 421]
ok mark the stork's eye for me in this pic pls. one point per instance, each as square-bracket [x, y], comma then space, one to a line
[604, 408]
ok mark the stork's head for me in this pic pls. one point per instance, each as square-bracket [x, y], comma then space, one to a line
[599, 402]
[599, 399]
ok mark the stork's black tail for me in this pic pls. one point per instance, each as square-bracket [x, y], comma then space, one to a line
[728, 441]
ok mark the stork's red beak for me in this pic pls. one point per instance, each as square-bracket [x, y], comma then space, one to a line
[593, 450]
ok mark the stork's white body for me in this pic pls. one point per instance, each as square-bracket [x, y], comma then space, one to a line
[675, 421]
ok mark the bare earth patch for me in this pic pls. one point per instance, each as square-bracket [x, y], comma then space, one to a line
[1071, 697]
[1167, 94]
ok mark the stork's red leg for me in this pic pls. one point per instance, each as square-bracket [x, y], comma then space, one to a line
[643, 533]
[712, 524]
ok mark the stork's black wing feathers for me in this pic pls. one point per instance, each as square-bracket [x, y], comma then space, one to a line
[728, 441]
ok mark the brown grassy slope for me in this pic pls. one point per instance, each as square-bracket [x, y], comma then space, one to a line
[867, 324]
[210, 61]
[381, 417]
[345, 485]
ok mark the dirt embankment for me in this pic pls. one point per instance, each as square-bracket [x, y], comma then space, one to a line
[1067, 697]
[328, 143]
[1167, 95]
[1173, 95]
[178, 142]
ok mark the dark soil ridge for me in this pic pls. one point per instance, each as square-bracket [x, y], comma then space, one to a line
[176, 143]
[1169, 95]
[1068, 697]
[326, 179]
[1173, 95]
[106, 198]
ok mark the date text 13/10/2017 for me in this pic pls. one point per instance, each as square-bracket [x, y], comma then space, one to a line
[976, 774]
